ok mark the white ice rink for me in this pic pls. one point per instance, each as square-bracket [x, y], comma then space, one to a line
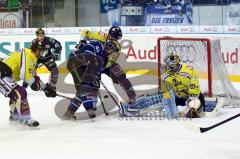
[113, 137]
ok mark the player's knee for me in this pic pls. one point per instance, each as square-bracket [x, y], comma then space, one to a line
[89, 104]
[116, 70]
[131, 93]
[22, 92]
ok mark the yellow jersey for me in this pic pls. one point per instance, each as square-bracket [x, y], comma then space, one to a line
[23, 65]
[103, 37]
[94, 35]
[184, 81]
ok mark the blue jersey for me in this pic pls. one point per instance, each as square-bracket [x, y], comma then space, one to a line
[93, 47]
[50, 43]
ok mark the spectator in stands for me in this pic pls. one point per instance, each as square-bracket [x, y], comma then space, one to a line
[114, 14]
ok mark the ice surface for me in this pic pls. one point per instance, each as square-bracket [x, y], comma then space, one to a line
[113, 137]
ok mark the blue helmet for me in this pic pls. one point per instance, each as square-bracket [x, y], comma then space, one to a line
[115, 32]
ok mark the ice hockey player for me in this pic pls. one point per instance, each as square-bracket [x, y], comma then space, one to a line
[47, 58]
[85, 65]
[112, 68]
[21, 66]
[181, 87]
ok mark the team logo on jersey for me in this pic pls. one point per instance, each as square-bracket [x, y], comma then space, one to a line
[97, 49]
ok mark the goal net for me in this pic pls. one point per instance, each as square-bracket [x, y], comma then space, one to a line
[205, 56]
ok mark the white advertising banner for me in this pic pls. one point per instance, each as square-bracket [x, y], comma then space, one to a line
[233, 14]
[135, 47]
[10, 19]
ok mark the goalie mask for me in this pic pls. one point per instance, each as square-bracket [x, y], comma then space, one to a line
[172, 61]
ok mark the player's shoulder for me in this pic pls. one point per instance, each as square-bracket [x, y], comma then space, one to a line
[100, 35]
[50, 39]
[187, 67]
[34, 40]
[165, 75]
[28, 52]
[95, 43]
[187, 70]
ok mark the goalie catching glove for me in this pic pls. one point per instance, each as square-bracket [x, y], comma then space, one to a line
[50, 91]
[194, 108]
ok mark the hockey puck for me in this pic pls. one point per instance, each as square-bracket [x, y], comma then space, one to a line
[105, 96]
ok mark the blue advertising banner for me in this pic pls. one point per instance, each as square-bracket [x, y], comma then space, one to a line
[169, 14]
[106, 5]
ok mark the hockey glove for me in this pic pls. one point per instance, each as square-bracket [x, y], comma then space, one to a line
[36, 84]
[50, 91]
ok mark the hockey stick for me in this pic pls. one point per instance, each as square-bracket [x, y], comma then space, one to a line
[202, 130]
[103, 106]
[194, 127]
[110, 94]
[59, 95]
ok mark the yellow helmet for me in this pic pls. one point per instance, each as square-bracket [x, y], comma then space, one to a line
[40, 31]
[172, 60]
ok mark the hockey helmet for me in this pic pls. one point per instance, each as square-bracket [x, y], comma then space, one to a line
[112, 44]
[172, 60]
[115, 32]
[40, 31]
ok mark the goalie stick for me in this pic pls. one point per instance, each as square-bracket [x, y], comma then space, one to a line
[63, 96]
[196, 128]
[204, 129]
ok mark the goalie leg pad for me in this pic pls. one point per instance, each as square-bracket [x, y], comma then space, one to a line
[142, 104]
[170, 108]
